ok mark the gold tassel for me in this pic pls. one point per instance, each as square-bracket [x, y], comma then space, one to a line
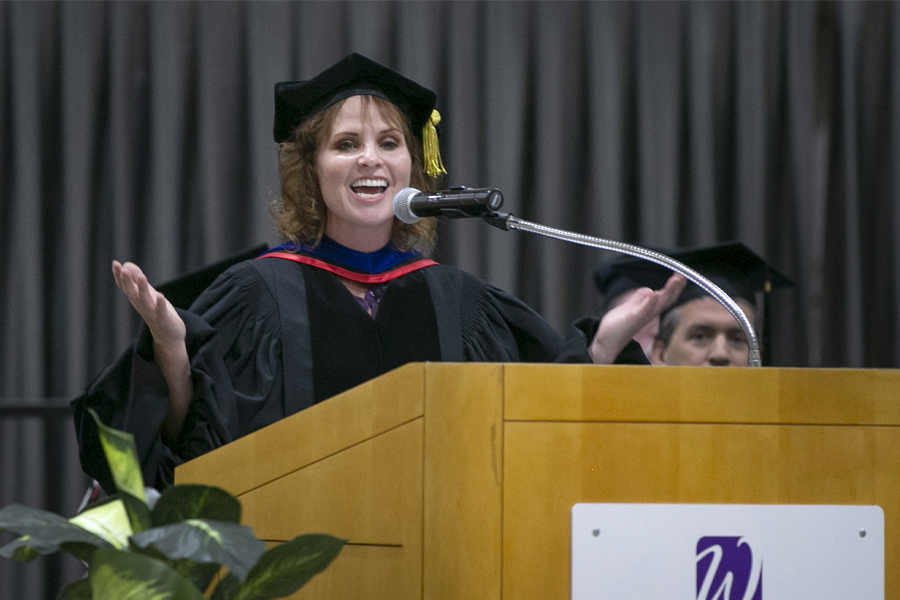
[432, 151]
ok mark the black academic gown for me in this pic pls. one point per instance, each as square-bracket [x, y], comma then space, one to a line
[271, 337]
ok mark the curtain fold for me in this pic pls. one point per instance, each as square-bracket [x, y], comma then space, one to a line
[142, 131]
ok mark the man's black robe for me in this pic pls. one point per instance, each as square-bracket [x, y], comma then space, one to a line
[271, 337]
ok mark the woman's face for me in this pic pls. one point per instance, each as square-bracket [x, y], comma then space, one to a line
[361, 166]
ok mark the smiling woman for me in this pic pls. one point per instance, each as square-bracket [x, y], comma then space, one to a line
[345, 299]
[301, 212]
[361, 167]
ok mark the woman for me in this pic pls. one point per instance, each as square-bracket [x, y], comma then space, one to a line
[344, 300]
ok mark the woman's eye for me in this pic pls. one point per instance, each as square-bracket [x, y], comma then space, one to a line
[345, 145]
[390, 144]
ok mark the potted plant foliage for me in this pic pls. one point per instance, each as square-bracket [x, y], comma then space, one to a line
[183, 543]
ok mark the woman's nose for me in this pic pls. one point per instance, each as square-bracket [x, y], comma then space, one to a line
[369, 155]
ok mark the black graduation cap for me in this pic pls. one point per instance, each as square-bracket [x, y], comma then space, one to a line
[183, 290]
[614, 277]
[738, 270]
[296, 101]
[734, 267]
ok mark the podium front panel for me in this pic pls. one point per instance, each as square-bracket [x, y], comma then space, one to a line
[457, 480]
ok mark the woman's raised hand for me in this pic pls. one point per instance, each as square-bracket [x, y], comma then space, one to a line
[170, 352]
[158, 313]
[620, 324]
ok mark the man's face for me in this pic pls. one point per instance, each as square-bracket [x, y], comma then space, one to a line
[706, 335]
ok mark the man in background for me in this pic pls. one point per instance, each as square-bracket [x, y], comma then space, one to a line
[697, 330]
[701, 332]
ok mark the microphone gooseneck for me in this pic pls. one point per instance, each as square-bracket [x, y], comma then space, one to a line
[506, 222]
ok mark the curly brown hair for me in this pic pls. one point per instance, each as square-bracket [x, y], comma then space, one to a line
[301, 213]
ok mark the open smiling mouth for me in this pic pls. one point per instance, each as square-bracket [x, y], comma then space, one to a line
[369, 188]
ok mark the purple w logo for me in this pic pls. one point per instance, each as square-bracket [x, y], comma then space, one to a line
[727, 570]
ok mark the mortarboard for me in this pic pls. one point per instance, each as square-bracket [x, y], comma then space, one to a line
[614, 277]
[183, 290]
[355, 75]
[734, 267]
[738, 270]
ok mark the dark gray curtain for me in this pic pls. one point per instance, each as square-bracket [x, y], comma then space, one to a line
[142, 131]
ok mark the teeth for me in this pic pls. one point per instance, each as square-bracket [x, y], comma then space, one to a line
[370, 183]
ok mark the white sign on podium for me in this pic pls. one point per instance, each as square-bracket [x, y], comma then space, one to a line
[727, 552]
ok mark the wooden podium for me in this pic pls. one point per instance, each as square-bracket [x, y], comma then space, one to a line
[456, 481]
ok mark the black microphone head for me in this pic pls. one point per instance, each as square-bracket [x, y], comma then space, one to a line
[402, 202]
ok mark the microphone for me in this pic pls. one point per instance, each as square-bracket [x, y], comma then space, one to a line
[410, 204]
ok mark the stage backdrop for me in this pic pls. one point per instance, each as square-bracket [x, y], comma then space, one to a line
[142, 131]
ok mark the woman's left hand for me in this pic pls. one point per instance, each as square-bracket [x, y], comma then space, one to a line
[620, 324]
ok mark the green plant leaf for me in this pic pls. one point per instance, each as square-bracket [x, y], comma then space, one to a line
[138, 512]
[199, 574]
[205, 541]
[118, 575]
[182, 502]
[45, 533]
[284, 569]
[79, 590]
[18, 550]
[227, 588]
[108, 520]
[121, 455]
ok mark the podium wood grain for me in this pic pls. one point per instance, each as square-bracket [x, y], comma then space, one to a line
[456, 481]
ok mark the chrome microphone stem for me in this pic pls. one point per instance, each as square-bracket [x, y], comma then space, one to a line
[504, 221]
